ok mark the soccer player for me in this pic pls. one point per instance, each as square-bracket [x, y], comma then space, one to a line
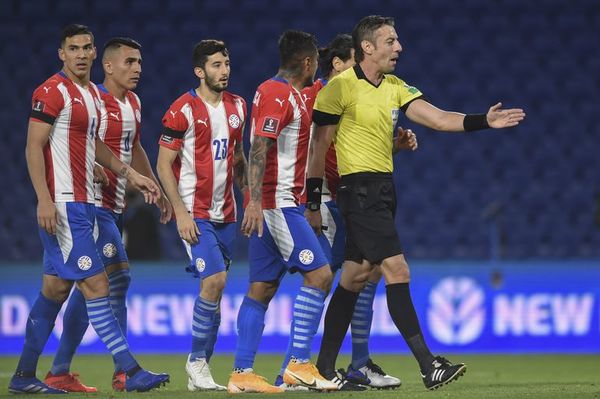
[284, 241]
[334, 59]
[120, 131]
[359, 107]
[62, 145]
[200, 155]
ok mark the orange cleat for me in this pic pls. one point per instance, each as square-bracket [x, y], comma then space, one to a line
[248, 382]
[306, 374]
[118, 381]
[67, 382]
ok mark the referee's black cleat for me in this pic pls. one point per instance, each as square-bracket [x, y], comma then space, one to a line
[442, 372]
[339, 378]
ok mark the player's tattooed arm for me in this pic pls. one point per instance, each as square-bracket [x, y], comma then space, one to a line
[240, 165]
[258, 161]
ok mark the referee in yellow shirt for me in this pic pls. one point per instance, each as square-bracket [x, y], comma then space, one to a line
[363, 104]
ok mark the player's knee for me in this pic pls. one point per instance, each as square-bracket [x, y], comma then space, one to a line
[263, 292]
[213, 286]
[320, 278]
[56, 290]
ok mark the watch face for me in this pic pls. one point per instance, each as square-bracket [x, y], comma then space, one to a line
[313, 206]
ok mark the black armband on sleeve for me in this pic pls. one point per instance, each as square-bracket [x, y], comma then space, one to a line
[39, 115]
[176, 134]
[314, 189]
[475, 122]
[324, 119]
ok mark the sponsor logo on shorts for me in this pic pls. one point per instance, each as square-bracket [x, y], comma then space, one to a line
[234, 121]
[109, 250]
[84, 262]
[306, 256]
[200, 265]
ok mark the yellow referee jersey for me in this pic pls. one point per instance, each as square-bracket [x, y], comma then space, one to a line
[366, 115]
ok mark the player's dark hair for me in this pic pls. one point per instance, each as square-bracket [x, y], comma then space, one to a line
[205, 48]
[118, 42]
[341, 47]
[73, 30]
[294, 46]
[365, 30]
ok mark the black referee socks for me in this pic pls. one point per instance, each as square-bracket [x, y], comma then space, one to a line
[403, 314]
[337, 320]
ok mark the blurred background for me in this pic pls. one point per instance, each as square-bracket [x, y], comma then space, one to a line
[502, 228]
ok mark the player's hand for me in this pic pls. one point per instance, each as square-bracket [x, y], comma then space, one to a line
[405, 140]
[253, 219]
[498, 118]
[314, 219]
[146, 186]
[100, 176]
[166, 209]
[47, 216]
[187, 228]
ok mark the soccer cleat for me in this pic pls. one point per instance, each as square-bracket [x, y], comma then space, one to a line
[279, 383]
[143, 381]
[442, 372]
[340, 379]
[199, 377]
[373, 376]
[118, 381]
[246, 381]
[306, 374]
[31, 385]
[67, 382]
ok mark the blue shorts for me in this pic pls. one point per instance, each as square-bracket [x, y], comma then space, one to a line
[333, 237]
[212, 253]
[72, 254]
[288, 244]
[108, 229]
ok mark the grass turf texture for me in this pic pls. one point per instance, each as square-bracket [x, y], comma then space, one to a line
[511, 377]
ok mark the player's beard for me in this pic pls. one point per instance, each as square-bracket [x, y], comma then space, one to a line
[215, 85]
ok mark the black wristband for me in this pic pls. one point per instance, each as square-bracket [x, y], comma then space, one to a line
[475, 122]
[314, 189]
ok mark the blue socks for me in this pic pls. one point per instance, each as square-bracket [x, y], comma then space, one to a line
[250, 325]
[118, 284]
[212, 338]
[104, 322]
[75, 323]
[308, 309]
[39, 326]
[362, 319]
[202, 325]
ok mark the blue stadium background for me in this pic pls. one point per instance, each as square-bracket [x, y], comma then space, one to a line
[540, 179]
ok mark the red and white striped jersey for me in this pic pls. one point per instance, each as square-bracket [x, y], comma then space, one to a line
[205, 137]
[279, 112]
[120, 131]
[74, 113]
[332, 177]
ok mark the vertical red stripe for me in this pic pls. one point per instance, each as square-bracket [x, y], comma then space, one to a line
[49, 170]
[302, 149]
[234, 135]
[77, 139]
[203, 160]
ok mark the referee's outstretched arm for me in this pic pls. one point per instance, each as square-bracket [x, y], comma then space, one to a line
[424, 113]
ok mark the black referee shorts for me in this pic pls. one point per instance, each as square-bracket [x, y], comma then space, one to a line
[367, 202]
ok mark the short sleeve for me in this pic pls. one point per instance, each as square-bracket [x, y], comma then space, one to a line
[46, 103]
[175, 125]
[331, 103]
[270, 112]
[407, 94]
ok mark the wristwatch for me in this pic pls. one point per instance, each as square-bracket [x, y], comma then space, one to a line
[313, 206]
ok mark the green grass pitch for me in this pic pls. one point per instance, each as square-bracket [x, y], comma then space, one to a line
[544, 376]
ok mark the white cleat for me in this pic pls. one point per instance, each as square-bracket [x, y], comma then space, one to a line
[199, 377]
[373, 376]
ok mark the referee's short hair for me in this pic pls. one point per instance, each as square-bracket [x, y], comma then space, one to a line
[340, 47]
[365, 30]
[294, 46]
